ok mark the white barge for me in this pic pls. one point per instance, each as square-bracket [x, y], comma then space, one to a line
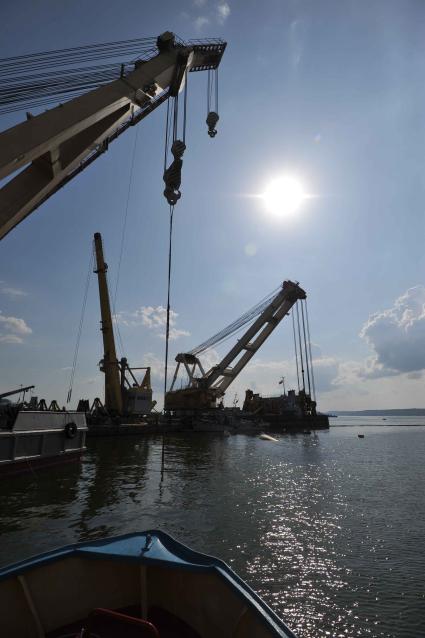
[30, 439]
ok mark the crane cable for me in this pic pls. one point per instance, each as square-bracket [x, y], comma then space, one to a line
[80, 327]
[172, 179]
[212, 116]
[236, 325]
[39, 79]
[296, 351]
[172, 194]
[130, 182]
[309, 347]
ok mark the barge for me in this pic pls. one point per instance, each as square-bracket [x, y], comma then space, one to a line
[288, 411]
[31, 439]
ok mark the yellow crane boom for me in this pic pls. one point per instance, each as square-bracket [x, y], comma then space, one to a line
[109, 364]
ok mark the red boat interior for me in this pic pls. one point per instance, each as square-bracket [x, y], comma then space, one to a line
[127, 623]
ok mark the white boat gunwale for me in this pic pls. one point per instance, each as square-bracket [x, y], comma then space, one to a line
[180, 557]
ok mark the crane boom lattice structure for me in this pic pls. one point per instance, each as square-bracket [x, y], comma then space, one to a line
[204, 388]
[49, 149]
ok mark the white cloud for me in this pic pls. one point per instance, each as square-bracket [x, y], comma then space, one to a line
[13, 329]
[14, 324]
[397, 337]
[154, 318]
[10, 339]
[156, 365]
[223, 12]
[217, 13]
[200, 22]
[12, 292]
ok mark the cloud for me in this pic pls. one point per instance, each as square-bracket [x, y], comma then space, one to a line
[156, 365]
[217, 13]
[15, 324]
[13, 329]
[200, 22]
[397, 337]
[223, 12]
[10, 339]
[154, 318]
[11, 292]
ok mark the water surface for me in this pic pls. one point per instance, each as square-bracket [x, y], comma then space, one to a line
[327, 527]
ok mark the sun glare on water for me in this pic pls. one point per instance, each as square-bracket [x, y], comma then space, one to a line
[284, 196]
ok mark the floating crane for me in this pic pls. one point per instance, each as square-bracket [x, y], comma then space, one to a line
[205, 388]
[18, 391]
[51, 148]
[124, 395]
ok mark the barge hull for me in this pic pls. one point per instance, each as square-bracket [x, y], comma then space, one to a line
[26, 465]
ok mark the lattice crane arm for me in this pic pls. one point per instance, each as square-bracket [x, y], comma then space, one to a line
[51, 148]
[216, 380]
[222, 375]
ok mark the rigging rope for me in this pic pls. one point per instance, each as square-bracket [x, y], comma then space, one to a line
[236, 325]
[172, 179]
[212, 116]
[300, 348]
[130, 182]
[295, 346]
[167, 329]
[305, 349]
[66, 73]
[80, 327]
[309, 347]
[114, 318]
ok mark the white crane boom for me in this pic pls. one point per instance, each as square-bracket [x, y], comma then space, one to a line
[51, 148]
[204, 390]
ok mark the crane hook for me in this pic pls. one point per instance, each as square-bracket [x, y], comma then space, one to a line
[173, 174]
[212, 119]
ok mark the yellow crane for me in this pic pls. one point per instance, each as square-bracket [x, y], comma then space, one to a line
[124, 394]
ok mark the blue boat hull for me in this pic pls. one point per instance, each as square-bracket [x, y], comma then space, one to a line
[147, 578]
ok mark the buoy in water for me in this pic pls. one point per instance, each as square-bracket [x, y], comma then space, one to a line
[361, 436]
[267, 437]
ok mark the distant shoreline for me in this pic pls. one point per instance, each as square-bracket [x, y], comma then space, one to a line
[334, 424]
[383, 413]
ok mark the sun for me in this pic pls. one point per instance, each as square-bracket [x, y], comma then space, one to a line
[284, 196]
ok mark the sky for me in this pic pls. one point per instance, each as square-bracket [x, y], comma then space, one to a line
[330, 93]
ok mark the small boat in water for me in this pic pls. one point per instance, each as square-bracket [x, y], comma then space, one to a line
[145, 584]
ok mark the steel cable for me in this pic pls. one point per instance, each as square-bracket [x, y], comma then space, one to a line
[80, 327]
[235, 326]
[42, 78]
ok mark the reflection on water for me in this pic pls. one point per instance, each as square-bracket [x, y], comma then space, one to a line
[328, 528]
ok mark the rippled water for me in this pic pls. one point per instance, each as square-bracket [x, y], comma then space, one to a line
[328, 528]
